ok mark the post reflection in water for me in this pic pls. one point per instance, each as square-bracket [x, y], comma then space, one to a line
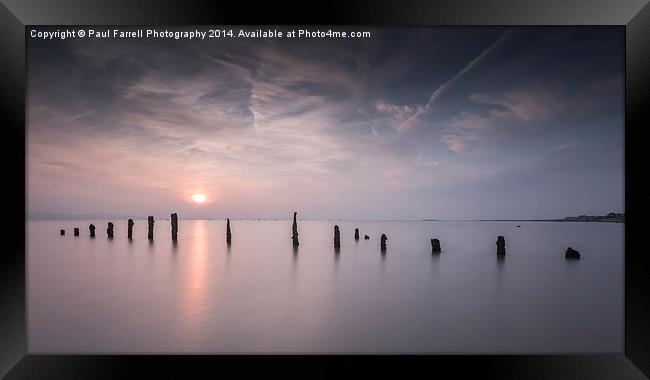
[194, 283]
[499, 274]
[294, 263]
[337, 254]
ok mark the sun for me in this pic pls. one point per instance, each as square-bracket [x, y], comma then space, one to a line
[198, 198]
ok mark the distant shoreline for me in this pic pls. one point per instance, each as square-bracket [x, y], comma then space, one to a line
[545, 220]
[612, 217]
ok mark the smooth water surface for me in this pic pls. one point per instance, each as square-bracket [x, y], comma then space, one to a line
[260, 295]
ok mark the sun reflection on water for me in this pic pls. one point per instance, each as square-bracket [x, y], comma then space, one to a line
[194, 286]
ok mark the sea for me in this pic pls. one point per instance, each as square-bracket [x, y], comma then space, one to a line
[262, 295]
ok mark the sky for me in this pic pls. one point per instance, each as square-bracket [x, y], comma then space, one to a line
[412, 123]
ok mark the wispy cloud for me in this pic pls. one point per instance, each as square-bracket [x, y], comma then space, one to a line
[528, 105]
[440, 90]
[399, 112]
[462, 131]
[569, 145]
[514, 109]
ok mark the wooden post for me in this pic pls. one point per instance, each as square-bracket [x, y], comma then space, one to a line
[92, 230]
[62, 232]
[366, 237]
[130, 229]
[501, 246]
[174, 227]
[228, 232]
[109, 230]
[435, 246]
[294, 235]
[76, 231]
[383, 242]
[571, 254]
[337, 237]
[356, 234]
[150, 222]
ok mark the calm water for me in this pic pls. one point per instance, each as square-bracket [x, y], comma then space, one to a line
[103, 296]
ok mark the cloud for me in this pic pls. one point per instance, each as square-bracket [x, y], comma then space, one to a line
[424, 161]
[399, 113]
[566, 146]
[528, 105]
[440, 90]
[466, 131]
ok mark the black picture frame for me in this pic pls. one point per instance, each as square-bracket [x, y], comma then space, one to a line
[633, 15]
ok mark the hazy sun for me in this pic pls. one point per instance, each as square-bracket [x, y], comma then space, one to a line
[198, 198]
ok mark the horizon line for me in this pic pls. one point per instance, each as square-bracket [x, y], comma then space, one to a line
[121, 217]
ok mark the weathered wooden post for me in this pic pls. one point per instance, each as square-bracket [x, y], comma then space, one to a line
[174, 227]
[435, 246]
[130, 229]
[356, 234]
[501, 246]
[150, 222]
[366, 237]
[294, 235]
[62, 232]
[337, 237]
[92, 230]
[76, 231]
[383, 242]
[571, 254]
[228, 232]
[109, 230]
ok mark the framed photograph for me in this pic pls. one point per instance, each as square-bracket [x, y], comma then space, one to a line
[448, 185]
